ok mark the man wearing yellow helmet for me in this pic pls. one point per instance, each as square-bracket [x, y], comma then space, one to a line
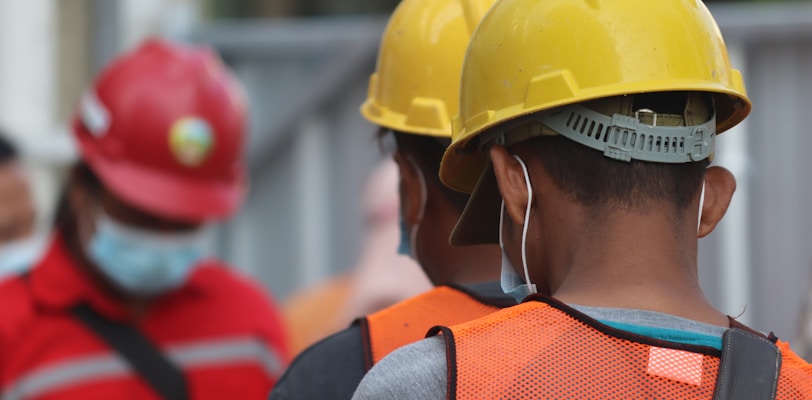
[584, 135]
[413, 96]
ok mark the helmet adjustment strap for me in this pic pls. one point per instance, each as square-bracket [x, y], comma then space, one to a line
[625, 138]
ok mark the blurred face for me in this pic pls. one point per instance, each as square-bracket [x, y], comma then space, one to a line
[140, 255]
[17, 212]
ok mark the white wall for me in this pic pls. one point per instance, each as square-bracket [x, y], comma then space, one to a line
[28, 84]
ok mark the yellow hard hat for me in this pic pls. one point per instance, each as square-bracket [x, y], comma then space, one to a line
[529, 56]
[415, 88]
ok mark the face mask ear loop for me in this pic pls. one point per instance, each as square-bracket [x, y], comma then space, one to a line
[423, 200]
[701, 204]
[501, 218]
[526, 222]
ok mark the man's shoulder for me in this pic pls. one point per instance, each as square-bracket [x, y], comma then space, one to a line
[347, 341]
[331, 368]
[415, 371]
[796, 373]
[502, 317]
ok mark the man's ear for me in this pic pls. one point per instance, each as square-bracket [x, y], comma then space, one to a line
[411, 188]
[510, 178]
[720, 184]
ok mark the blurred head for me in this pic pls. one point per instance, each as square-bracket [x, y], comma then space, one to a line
[163, 127]
[17, 210]
[413, 95]
[19, 246]
[430, 210]
[160, 135]
[567, 144]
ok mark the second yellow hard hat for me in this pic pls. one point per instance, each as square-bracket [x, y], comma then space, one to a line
[415, 88]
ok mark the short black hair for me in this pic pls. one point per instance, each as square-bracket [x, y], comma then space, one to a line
[600, 183]
[427, 151]
[8, 151]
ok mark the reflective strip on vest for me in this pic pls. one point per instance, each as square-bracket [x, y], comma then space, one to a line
[408, 321]
[97, 367]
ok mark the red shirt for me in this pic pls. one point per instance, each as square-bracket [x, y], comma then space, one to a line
[219, 329]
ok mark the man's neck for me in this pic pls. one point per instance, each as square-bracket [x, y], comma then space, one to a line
[474, 264]
[458, 265]
[635, 261]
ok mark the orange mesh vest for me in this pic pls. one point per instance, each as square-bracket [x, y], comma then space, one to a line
[546, 350]
[409, 320]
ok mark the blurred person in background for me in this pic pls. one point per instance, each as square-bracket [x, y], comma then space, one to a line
[126, 303]
[19, 246]
[412, 97]
[381, 277]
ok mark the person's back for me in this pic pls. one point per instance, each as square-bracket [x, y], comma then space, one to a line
[127, 303]
[628, 353]
[593, 124]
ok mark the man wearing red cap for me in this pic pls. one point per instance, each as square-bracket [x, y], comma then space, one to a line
[125, 303]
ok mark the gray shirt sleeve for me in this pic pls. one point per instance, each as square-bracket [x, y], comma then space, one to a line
[417, 371]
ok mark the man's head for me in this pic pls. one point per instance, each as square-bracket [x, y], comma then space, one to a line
[17, 211]
[19, 245]
[573, 184]
[429, 210]
[629, 134]
[413, 96]
[160, 135]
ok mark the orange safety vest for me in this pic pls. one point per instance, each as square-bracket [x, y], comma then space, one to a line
[546, 350]
[408, 321]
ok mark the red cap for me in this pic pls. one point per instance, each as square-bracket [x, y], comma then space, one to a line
[163, 129]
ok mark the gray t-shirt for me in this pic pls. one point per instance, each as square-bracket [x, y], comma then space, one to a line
[418, 371]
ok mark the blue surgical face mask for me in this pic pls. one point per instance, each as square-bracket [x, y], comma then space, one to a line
[512, 284]
[405, 246]
[144, 262]
[408, 237]
[20, 255]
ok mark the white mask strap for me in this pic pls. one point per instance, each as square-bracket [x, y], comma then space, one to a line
[501, 218]
[701, 204]
[526, 221]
